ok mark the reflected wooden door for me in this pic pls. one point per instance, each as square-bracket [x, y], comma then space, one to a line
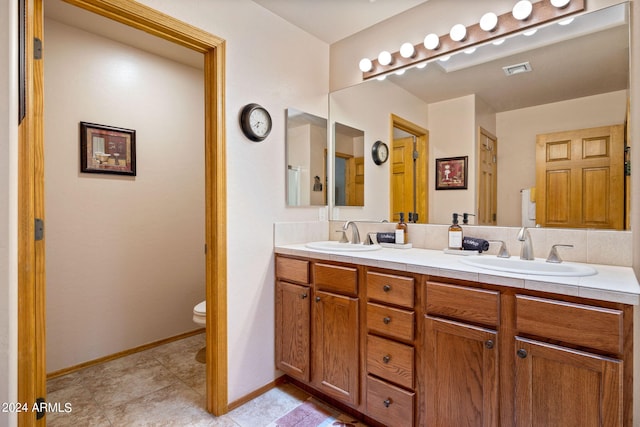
[487, 178]
[579, 178]
[402, 177]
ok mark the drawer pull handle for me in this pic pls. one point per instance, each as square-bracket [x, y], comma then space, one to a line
[489, 344]
[386, 288]
[303, 296]
[386, 359]
[522, 353]
[387, 402]
[317, 299]
[386, 320]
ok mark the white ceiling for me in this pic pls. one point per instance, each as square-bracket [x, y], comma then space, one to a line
[333, 20]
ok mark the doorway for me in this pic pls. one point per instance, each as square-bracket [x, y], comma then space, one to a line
[31, 272]
[487, 178]
[408, 189]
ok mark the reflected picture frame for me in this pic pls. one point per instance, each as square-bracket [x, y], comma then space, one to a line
[107, 149]
[451, 173]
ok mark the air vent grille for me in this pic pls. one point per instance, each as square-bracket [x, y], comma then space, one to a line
[511, 70]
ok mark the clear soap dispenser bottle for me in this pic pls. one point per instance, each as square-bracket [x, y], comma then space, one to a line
[455, 234]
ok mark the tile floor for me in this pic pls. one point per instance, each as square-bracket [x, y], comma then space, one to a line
[165, 386]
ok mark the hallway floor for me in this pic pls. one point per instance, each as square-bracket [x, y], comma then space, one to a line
[165, 386]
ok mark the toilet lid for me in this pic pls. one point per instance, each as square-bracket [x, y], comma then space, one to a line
[201, 308]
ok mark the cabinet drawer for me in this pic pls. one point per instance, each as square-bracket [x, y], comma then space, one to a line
[391, 322]
[390, 289]
[463, 303]
[336, 278]
[295, 270]
[583, 325]
[389, 404]
[390, 360]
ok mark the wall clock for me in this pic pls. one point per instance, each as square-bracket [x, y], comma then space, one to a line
[379, 152]
[255, 122]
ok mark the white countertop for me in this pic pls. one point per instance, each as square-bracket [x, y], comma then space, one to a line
[612, 283]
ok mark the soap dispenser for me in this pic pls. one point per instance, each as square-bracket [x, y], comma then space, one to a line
[455, 234]
[401, 231]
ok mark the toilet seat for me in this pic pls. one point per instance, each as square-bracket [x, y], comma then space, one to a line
[200, 313]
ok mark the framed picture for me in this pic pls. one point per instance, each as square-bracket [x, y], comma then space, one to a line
[107, 149]
[451, 173]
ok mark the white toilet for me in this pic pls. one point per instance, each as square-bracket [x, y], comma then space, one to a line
[200, 313]
[200, 318]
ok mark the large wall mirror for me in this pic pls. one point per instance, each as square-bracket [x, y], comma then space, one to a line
[490, 106]
[306, 157]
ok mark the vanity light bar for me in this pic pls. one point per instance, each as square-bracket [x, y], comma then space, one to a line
[542, 12]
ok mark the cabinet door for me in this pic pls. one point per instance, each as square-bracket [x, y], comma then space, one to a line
[461, 374]
[293, 317]
[335, 346]
[558, 386]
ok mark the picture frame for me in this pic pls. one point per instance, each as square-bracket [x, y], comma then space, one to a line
[107, 149]
[451, 173]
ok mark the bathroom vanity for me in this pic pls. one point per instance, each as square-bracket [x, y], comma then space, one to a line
[416, 337]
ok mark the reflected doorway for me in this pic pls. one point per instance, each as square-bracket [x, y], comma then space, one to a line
[409, 191]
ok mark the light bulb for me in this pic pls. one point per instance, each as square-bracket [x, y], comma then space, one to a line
[407, 50]
[382, 77]
[560, 3]
[470, 50]
[530, 32]
[498, 42]
[489, 21]
[400, 72]
[365, 65]
[385, 58]
[444, 58]
[458, 33]
[566, 21]
[432, 41]
[522, 10]
[421, 65]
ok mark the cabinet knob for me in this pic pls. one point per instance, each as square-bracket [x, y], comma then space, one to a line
[489, 344]
[386, 320]
[386, 359]
[387, 402]
[317, 299]
[522, 353]
[303, 296]
[386, 288]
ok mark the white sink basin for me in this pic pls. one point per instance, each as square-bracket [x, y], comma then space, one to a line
[331, 245]
[535, 267]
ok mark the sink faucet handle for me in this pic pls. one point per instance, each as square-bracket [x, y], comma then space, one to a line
[503, 252]
[554, 257]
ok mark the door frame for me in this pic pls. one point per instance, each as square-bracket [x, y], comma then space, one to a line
[31, 254]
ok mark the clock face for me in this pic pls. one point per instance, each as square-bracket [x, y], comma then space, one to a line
[260, 122]
[255, 122]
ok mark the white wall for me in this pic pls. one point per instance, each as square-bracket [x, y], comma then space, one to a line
[273, 63]
[8, 207]
[517, 130]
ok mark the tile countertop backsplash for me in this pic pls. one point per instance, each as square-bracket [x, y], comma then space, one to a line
[609, 250]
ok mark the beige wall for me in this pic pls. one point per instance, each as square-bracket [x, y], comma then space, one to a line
[125, 258]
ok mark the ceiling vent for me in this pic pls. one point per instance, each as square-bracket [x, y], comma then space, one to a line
[511, 70]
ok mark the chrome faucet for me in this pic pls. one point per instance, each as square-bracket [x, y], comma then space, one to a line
[355, 234]
[527, 248]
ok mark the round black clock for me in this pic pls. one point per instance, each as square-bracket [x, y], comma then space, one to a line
[255, 122]
[379, 152]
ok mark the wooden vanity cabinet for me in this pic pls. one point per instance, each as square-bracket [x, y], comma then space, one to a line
[572, 375]
[293, 317]
[461, 356]
[390, 351]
